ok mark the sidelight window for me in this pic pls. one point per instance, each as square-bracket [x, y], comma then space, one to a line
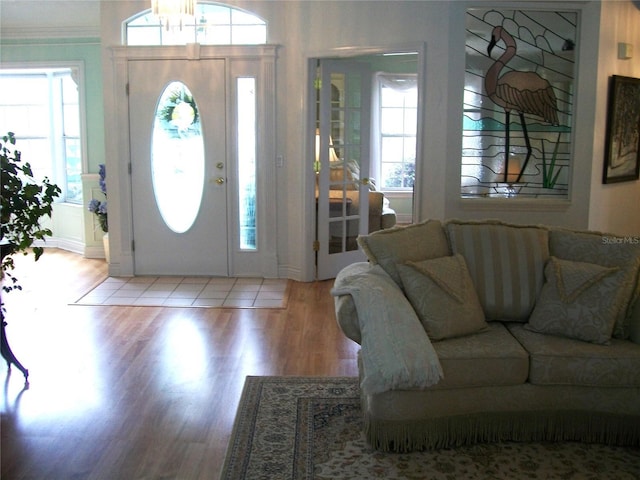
[247, 134]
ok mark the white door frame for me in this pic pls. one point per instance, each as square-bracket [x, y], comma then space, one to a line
[262, 58]
[310, 180]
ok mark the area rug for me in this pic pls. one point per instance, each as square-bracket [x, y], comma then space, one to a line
[310, 428]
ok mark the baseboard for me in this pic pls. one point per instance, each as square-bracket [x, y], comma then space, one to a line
[286, 271]
[64, 244]
[96, 251]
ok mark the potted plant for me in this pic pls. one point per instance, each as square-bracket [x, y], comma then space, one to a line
[24, 202]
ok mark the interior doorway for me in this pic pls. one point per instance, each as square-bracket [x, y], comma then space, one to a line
[365, 132]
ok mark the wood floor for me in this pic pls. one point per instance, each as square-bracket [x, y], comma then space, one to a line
[143, 392]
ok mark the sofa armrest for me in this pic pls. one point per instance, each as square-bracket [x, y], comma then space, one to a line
[388, 218]
[376, 201]
[346, 312]
[396, 351]
[347, 317]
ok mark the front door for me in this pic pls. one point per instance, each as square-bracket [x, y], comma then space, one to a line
[178, 166]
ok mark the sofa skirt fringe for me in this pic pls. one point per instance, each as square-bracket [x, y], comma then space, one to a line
[436, 433]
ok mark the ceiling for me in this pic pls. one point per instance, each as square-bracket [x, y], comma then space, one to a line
[28, 17]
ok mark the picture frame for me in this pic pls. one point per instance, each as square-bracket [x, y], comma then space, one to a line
[622, 141]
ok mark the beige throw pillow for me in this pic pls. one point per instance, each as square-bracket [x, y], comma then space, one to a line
[398, 245]
[442, 294]
[578, 300]
[609, 251]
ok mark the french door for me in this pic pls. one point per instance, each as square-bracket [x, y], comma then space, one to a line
[342, 164]
[179, 166]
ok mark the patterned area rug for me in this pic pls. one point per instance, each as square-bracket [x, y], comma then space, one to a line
[310, 428]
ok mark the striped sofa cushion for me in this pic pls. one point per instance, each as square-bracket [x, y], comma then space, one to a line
[506, 263]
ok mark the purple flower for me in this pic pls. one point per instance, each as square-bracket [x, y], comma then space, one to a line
[103, 176]
[94, 205]
[98, 207]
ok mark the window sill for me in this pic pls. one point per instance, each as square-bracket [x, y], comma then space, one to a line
[515, 204]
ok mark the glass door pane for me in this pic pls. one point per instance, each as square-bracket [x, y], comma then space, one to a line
[343, 146]
[177, 158]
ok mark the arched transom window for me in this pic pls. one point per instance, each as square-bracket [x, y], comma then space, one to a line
[212, 24]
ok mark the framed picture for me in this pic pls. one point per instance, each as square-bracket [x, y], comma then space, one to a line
[622, 149]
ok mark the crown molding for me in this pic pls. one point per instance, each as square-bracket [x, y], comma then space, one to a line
[33, 33]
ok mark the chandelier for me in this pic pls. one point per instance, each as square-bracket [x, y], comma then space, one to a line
[172, 12]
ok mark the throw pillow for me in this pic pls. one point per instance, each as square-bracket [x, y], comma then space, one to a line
[442, 294]
[578, 301]
[609, 251]
[398, 245]
[506, 263]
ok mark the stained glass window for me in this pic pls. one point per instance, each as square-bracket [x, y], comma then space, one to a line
[518, 103]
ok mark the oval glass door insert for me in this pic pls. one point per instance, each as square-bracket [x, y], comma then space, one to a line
[177, 158]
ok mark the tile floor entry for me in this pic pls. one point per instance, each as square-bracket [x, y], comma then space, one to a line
[189, 292]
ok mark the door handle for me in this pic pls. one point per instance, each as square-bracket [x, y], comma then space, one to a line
[219, 180]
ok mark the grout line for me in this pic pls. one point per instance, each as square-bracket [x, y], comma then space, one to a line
[189, 291]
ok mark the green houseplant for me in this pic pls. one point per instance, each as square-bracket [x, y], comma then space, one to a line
[23, 203]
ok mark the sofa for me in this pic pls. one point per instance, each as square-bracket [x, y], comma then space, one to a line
[484, 331]
[381, 216]
[344, 200]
